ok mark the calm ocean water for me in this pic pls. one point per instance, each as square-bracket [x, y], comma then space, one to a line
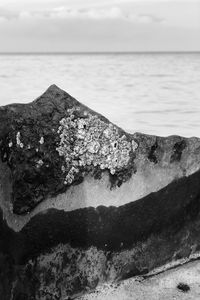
[151, 93]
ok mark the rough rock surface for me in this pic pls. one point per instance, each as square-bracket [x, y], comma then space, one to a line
[82, 202]
[180, 283]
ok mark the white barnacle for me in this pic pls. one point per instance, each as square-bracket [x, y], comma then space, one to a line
[123, 137]
[81, 150]
[88, 138]
[39, 163]
[18, 140]
[76, 149]
[63, 169]
[63, 122]
[59, 129]
[107, 132]
[81, 163]
[102, 166]
[81, 123]
[81, 134]
[71, 110]
[93, 147]
[85, 113]
[69, 178]
[88, 162]
[41, 141]
[112, 171]
[10, 144]
[74, 170]
[105, 150]
[134, 145]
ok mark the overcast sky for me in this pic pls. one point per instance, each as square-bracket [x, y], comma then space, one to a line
[99, 25]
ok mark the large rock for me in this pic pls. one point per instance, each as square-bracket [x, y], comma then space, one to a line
[83, 202]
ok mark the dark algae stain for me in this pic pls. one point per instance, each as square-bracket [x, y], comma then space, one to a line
[183, 287]
[177, 151]
[36, 167]
[152, 154]
[114, 228]
[7, 261]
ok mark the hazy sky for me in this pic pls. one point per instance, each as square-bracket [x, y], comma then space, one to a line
[99, 25]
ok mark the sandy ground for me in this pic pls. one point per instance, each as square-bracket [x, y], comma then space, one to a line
[158, 287]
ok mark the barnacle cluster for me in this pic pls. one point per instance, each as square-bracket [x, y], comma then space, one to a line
[87, 140]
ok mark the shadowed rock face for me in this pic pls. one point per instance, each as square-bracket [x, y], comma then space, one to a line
[83, 202]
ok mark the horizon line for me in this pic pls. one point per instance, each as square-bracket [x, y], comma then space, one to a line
[95, 52]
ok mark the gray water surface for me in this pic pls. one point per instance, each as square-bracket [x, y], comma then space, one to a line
[156, 93]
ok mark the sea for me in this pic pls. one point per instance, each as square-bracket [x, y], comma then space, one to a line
[153, 93]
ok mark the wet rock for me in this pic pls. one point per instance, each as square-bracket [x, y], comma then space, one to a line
[83, 202]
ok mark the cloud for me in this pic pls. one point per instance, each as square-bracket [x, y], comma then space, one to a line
[145, 18]
[77, 26]
[111, 13]
[63, 12]
[8, 14]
